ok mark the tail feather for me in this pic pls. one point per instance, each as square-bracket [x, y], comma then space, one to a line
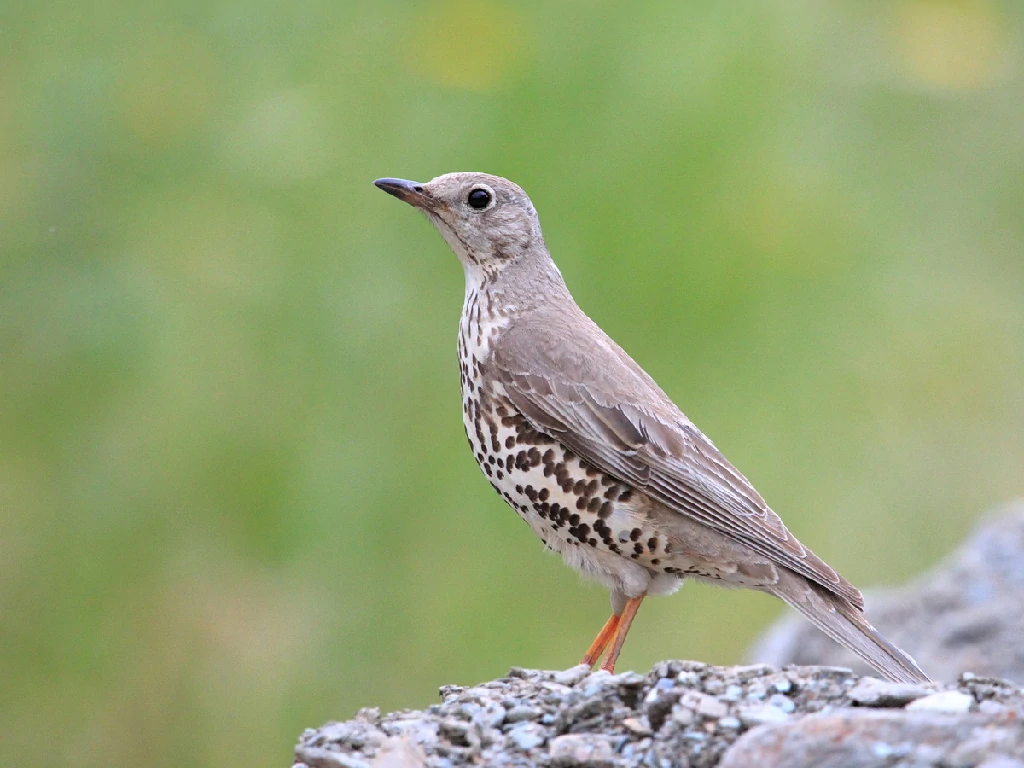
[845, 624]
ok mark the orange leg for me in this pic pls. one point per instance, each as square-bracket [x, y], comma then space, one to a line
[628, 614]
[601, 641]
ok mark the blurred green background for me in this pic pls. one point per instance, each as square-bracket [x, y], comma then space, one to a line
[235, 496]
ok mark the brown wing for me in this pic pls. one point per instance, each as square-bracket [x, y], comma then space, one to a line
[585, 392]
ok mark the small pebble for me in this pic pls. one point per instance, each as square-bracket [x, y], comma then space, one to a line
[782, 702]
[872, 692]
[636, 727]
[572, 675]
[519, 714]
[526, 736]
[704, 705]
[729, 722]
[689, 679]
[732, 693]
[760, 714]
[756, 691]
[989, 707]
[581, 749]
[683, 715]
[944, 701]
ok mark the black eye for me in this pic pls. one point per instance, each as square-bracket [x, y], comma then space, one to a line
[479, 199]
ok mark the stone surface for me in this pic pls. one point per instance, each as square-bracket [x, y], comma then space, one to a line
[686, 715]
[967, 614]
[877, 739]
[872, 692]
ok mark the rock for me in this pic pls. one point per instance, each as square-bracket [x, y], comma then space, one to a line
[686, 714]
[400, 752]
[325, 758]
[703, 704]
[967, 614]
[944, 701]
[760, 714]
[872, 692]
[580, 749]
[526, 736]
[876, 739]
[572, 675]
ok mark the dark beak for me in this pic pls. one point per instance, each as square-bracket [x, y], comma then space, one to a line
[410, 192]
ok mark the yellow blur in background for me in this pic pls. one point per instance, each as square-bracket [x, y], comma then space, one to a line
[235, 497]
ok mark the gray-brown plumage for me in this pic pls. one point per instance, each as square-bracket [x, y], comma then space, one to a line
[589, 450]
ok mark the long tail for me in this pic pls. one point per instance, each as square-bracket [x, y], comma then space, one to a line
[846, 625]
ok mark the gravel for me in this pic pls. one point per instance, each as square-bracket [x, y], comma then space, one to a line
[689, 715]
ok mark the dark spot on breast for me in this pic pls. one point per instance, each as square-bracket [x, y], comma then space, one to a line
[543, 495]
[655, 561]
[652, 544]
[638, 548]
[605, 510]
[635, 534]
[626, 495]
[510, 441]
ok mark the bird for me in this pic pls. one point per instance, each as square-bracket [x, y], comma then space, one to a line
[592, 454]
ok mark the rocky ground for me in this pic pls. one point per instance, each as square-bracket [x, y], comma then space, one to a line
[966, 614]
[688, 714]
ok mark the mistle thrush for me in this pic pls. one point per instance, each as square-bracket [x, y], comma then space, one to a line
[589, 450]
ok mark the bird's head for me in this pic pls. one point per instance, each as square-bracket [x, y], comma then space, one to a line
[488, 221]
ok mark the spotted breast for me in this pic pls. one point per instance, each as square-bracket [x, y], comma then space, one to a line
[600, 526]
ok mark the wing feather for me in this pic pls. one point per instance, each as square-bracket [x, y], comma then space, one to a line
[604, 408]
